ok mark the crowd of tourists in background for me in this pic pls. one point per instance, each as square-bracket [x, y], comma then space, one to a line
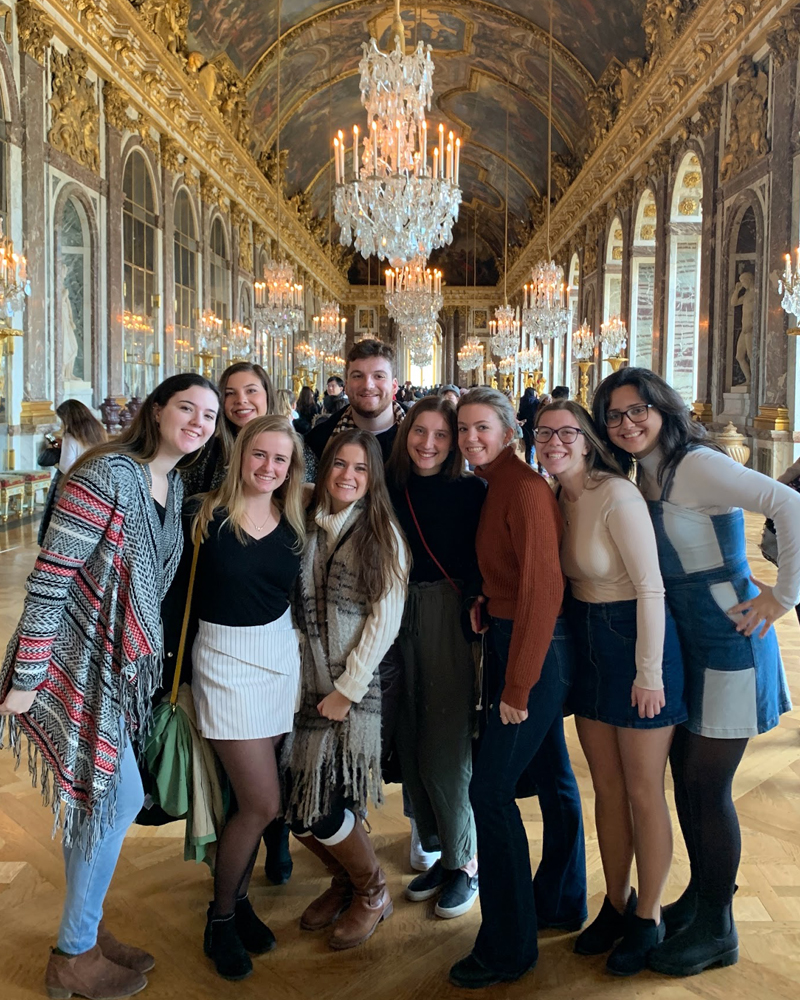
[345, 604]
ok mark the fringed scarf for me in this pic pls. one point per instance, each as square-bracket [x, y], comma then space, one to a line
[322, 756]
[90, 639]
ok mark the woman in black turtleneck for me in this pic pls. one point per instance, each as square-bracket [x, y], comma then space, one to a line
[438, 508]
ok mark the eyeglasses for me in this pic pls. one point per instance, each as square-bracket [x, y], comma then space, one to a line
[568, 435]
[636, 414]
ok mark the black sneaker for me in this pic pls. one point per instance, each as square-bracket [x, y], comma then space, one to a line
[427, 884]
[458, 895]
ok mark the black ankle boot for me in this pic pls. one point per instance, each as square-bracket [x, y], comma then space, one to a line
[222, 945]
[681, 913]
[710, 940]
[606, 928]
[630, 955]
[278, 866]
[254, 934]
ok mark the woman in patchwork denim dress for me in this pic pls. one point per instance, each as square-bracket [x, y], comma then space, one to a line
[735, 684]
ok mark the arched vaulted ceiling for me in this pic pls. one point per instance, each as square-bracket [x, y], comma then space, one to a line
[491, 63]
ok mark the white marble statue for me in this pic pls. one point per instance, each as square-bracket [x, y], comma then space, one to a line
[744, 295]
[70, 339]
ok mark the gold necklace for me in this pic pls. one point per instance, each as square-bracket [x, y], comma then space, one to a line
[259, 527]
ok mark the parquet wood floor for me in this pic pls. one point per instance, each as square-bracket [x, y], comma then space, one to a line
[159, 901]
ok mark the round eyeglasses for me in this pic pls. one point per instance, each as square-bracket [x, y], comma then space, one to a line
[636, 414]
[567, 435]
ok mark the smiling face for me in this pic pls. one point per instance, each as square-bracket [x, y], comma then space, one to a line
[370, 386]
[187, 420]
[429, 442]
[245, 398]
[481, 433]
[349, 477]
[637, 439]
[266, 463]
[558, 458]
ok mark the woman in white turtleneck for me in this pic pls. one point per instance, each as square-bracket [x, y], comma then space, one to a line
[349, 605]
[735, 684]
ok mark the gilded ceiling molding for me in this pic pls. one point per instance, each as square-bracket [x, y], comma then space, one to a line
[749, 118]
[115, 107]
[170, 153]
[680, 85]
[35, 29]
[75, 116]
[152, 70]
[784, 41]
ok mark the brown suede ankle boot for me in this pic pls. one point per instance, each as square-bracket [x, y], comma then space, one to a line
[371, 900]
[90, 975]
[336, 899]
[125, 955]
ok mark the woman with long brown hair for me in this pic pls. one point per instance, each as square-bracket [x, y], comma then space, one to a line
[627, 694]
[438, 508]
[350, 598]
[246, 662]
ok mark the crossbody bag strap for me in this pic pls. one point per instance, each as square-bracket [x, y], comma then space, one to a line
[176, 680]
[439, 566]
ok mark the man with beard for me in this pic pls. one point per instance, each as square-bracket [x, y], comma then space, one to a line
[370, 387]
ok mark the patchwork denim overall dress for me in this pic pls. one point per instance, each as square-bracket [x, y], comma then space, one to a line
[735, 685]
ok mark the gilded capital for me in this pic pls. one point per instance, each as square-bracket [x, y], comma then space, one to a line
[35, 29]
[75, 128]
[115, 107]
[170, 153]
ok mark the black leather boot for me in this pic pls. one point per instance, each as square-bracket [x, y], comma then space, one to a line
[709, 941]
[630, 955]
[254, 934]
[278, 865]
[681, 913]
[223, 946]
[606, 928]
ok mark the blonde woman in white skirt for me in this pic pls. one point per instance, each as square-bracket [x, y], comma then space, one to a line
[246, 663]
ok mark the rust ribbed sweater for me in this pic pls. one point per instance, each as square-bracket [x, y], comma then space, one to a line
[518, 542]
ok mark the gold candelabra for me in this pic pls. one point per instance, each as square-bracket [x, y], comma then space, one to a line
[583, 390]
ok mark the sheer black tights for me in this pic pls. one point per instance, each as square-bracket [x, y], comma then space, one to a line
[702, 772]
[252, 770]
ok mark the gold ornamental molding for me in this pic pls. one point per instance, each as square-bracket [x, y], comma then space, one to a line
[143, 62]
[674, 88]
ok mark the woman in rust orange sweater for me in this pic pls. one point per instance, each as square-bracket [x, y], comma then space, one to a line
[529, 675]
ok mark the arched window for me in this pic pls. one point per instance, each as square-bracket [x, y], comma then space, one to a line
[185, 283]
[139, 278]
[685, 245]
[74, 297]
[612, 279]
[219, 282]
[643, 282]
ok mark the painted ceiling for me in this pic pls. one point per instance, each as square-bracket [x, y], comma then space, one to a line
[490, 86]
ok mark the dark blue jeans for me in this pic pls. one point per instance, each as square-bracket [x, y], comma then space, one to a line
[510, 900]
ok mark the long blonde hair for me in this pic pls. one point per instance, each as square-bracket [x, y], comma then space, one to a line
[288, 498]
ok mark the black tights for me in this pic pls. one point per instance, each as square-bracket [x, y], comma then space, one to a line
[702, 772]
[252, 770]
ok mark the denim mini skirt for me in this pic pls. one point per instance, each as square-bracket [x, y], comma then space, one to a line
[605, 667]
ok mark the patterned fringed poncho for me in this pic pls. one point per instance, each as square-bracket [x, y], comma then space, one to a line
[90, 637]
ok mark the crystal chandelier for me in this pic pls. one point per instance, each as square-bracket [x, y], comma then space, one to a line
[329, 329]
[583, 342]
[613, 339]
[239, 342]
[471, 355]
[395, 201]
[420, 337]
[504, 331]
[507, 366]
[279, 300]
[545, 312]
[414, 293]
[209, 342]
[789, 289]
[14, 284]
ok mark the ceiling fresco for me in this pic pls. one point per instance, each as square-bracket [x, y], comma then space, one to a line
[491, 62]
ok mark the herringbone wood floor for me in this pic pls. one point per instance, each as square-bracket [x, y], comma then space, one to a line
[159, 901]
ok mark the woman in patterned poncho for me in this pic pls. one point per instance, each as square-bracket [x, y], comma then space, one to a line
[85, 661]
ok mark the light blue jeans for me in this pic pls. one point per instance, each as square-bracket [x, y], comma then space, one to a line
[88, 881]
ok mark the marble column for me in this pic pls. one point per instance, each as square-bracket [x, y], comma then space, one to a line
[34, 214]
[168, 298]
[709, 345]
[661, 287]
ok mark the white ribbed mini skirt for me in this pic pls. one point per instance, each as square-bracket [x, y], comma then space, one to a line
[245, 680]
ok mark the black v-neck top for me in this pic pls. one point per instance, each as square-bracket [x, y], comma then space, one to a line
[243, 585]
